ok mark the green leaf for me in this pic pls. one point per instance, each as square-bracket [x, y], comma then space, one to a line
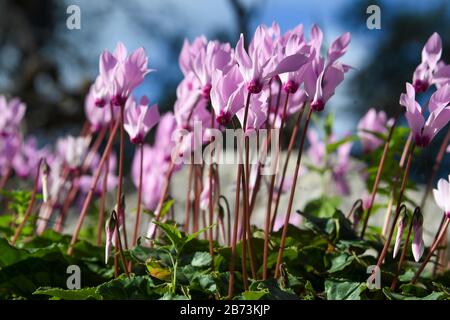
[201, 259]
[172, 296]
[323, 207]
[255, 295]
[332, 147]
[340, 262]
[80, 294]
[172, 233]
[337, 289]
[195, 234]
[133, 288]
[165, 209]
[397, 296]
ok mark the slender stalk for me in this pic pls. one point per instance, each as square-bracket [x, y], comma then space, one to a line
[244, 234]
[443, 240]
[433, 248]
[270, 198]
[122, 256]
[5, 177]
[402, 257]
[187, 216]
[139, 200]
[235, 233]
[246, 189]
[436, 166]
[378, 176]
[291, 196]
[398, 207]
[210, 195]
[30, 204]
[285, 166]
[101, 216]
[164, 194]
[120, 182]
[59, 225]
[90, 194]
[387, 215]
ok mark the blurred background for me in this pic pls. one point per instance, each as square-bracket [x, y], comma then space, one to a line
[51, 67]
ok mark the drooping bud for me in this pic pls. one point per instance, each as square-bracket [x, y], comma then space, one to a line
[110, 229]
[120, 210]
[402, 223]
[418, 245]
[45, 171]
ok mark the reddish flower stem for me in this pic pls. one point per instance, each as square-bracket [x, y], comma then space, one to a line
[187, 216]
[235, 233]
[402, 257]
[210, 195]
[441, 234]
[90, 194]
[291, 196]
[5, 177]
[139, 199]
[378, 176]
[285, 166]
[30, 204]
[270, 198]
[101, 217]
[244, 234]
[398, 208]
[120, 182]
[122, 256]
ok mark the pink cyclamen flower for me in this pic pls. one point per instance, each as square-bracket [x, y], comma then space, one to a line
[375, 122]
[431, 54]
[153, 175]
[202, 58]
[317, 148]
[26, 160]
[98, 117]
[85, 181]
[257, 112]
[417, 245]
[425, 131]
[139, 118]
[322, 77]
[73, 150]
[442, 196]
[227, 94]
[12, 113]
[341, 169]
[120, 73]
[255, 65]
[9, 148]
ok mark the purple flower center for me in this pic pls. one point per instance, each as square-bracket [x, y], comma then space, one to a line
[291, 86]
[223, 118]
[118, 100]
[420, 85]
[421, 141]
[206, 90]
[254, 86]
[318, 105]
[138, 139]
[100, 102]
[447, 214]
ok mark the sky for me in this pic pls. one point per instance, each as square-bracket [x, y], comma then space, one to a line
[196, 17]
